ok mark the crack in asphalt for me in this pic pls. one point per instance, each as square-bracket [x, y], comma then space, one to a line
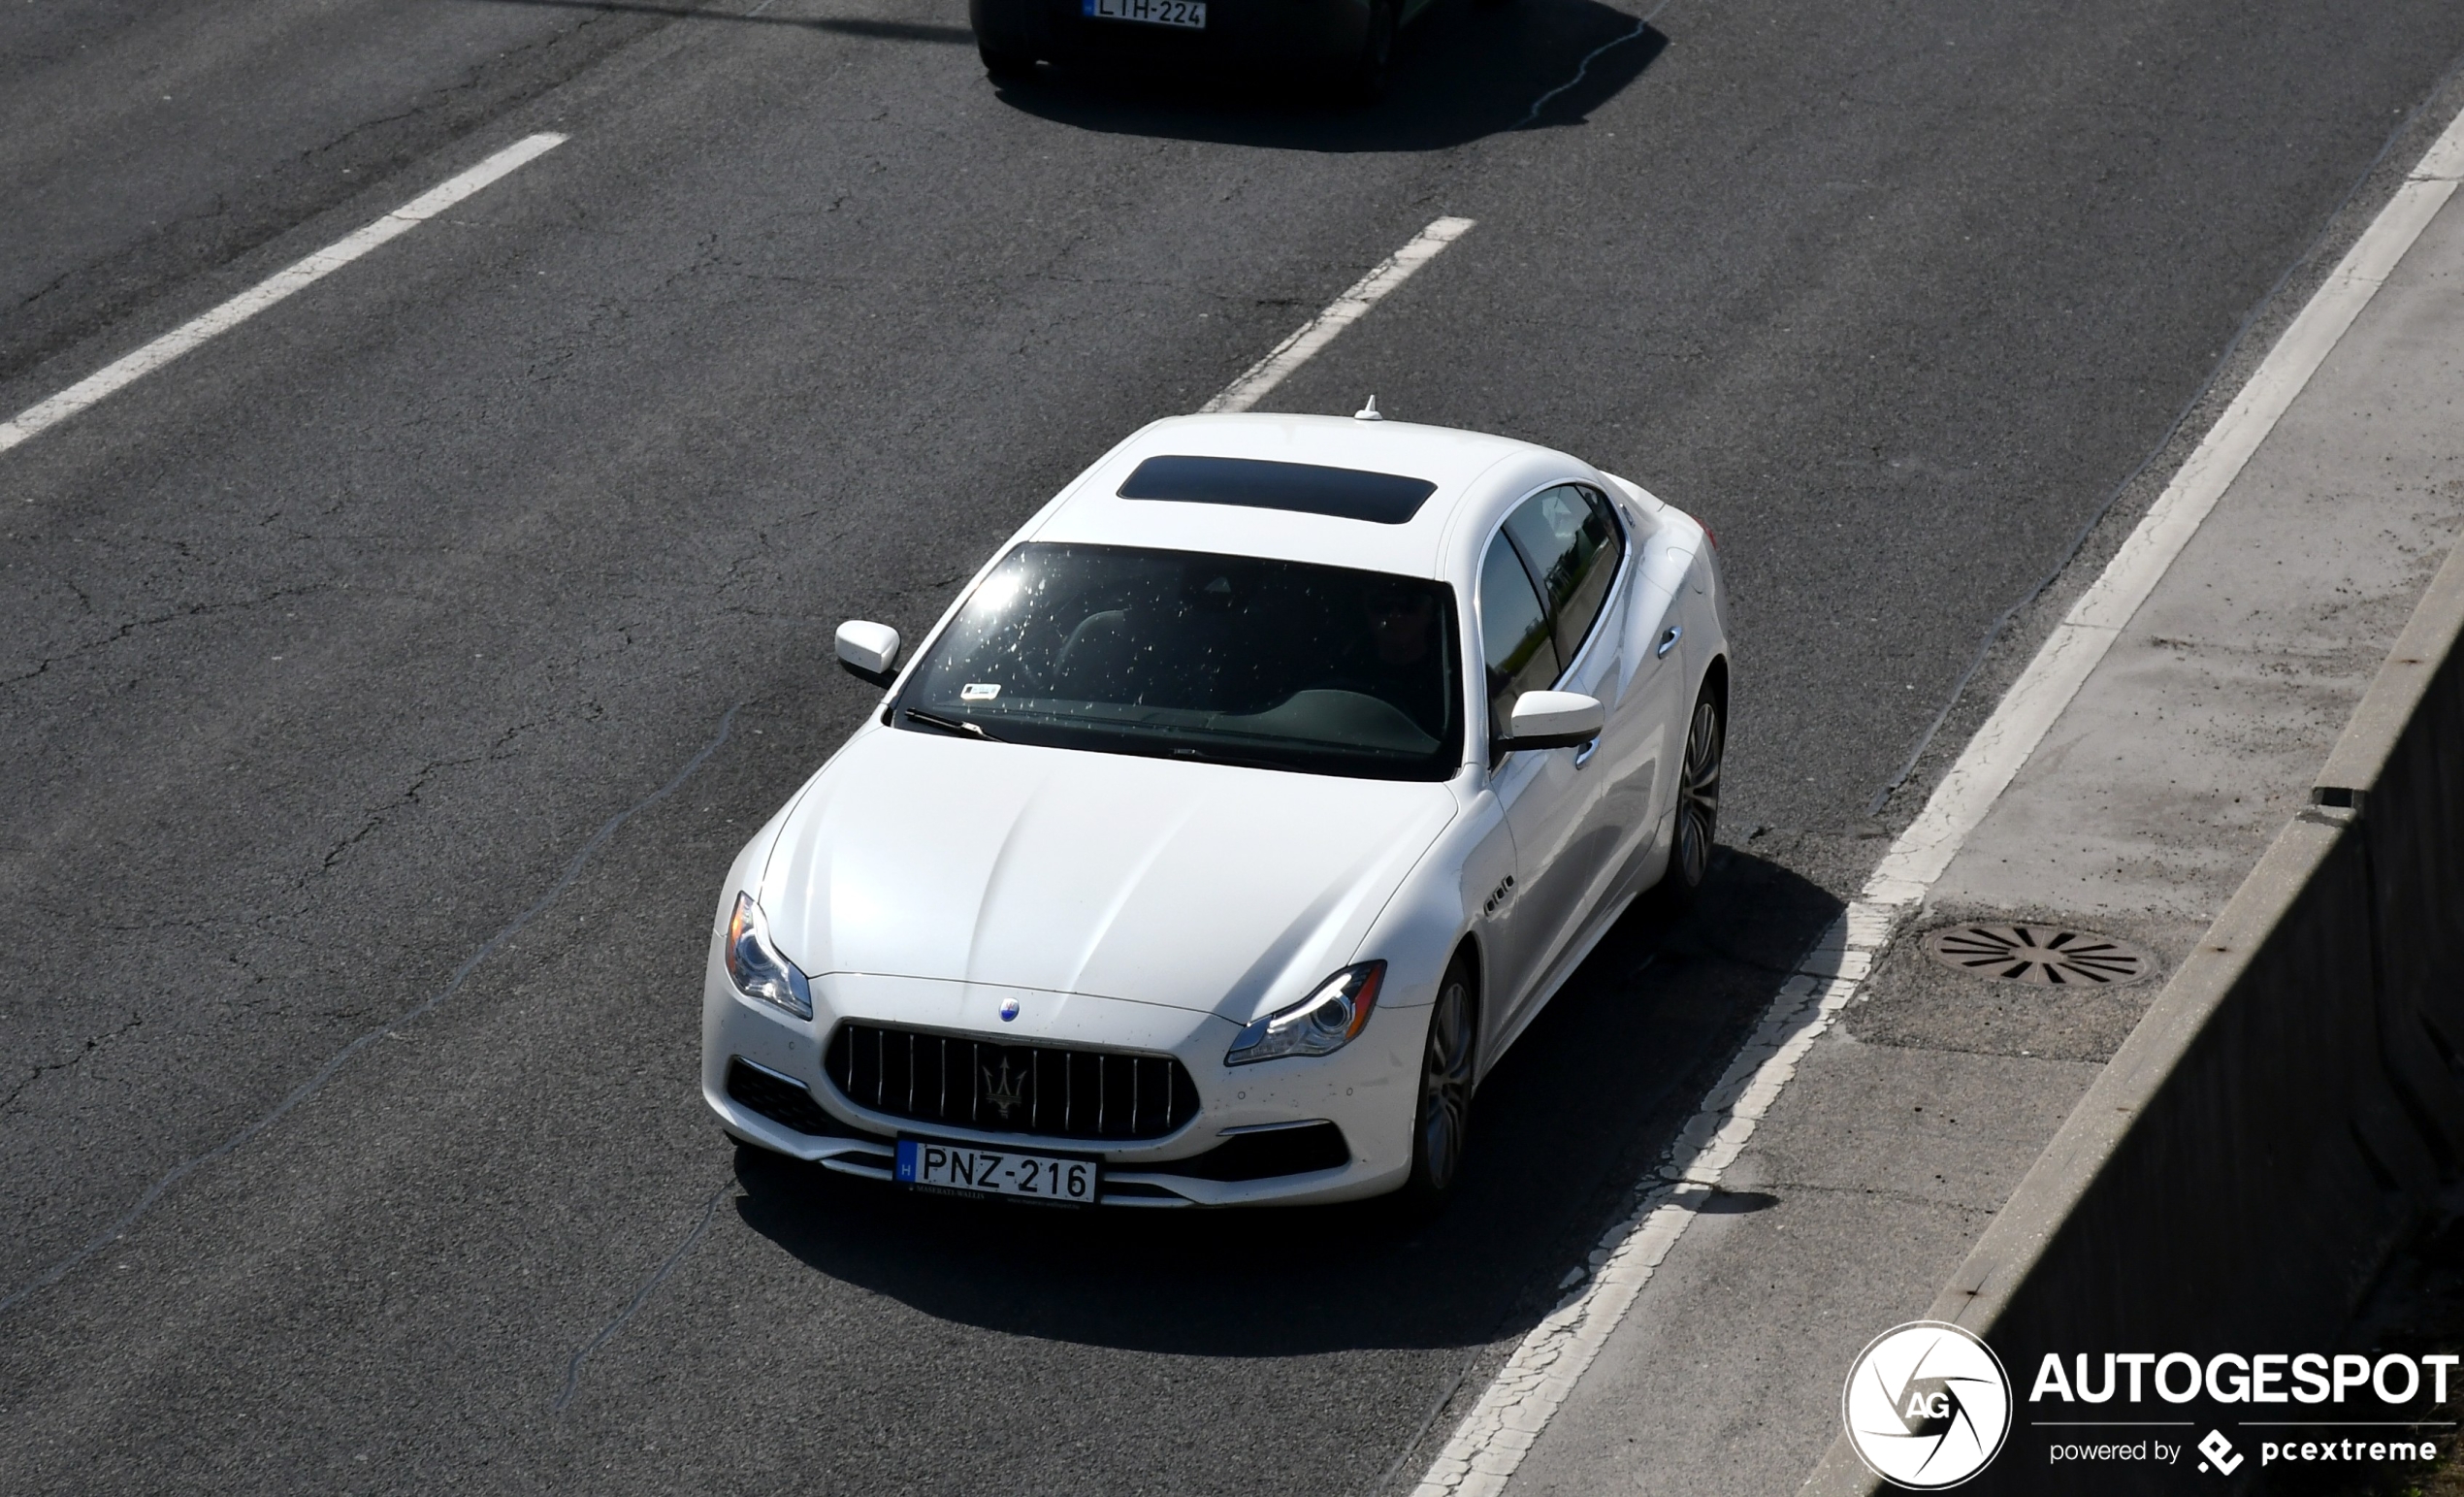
[129, 626]
[1642, 24]
[641, 1297]
[1429, 1420]
[342, 1058]
[85, 1050]
[43, 290]
[410, 793]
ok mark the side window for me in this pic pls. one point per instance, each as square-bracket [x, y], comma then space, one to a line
[1513, 633]
[1570, 537]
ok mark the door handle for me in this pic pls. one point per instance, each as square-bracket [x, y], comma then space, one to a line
[1668, 640]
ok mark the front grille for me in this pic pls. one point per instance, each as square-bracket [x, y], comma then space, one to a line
[1010, 1089]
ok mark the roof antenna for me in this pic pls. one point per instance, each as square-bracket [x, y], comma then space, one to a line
[1368, 413]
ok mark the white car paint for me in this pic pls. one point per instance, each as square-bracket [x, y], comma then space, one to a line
[1028, 895]
[1066, 871]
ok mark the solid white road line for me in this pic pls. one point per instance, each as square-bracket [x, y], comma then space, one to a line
[1517, 1406]
[273, 289]
[2084, 635]
[1296, 350]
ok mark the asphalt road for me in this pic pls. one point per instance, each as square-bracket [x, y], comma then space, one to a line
[328, 652]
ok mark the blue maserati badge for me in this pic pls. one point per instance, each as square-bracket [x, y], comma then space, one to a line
[1009, 1009]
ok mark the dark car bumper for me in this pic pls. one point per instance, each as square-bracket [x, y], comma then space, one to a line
[1272, 35]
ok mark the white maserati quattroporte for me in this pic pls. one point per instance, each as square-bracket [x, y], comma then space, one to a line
[1231, 825]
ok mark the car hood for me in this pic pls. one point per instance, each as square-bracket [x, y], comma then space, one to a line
[1205, 887]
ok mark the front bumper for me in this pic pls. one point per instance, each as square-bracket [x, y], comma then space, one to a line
[1245, 34]
[1367, 1089]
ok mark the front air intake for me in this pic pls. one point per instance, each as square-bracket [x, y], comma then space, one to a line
[783, 1101]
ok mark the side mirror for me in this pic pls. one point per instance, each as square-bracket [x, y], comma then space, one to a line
[1547, 719]
[869, 651]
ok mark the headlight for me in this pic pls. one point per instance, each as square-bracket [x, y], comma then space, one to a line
[756, 966]
[1319, 1025]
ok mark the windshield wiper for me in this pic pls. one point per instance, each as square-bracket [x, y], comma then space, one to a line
[959, 726]
[1213, 756]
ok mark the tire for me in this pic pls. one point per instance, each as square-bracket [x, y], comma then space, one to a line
[1697, 819]
[1004, 63]
[1442, 1115]
[1365, 83]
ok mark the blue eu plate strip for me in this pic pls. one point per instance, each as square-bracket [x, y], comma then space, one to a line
[907, 1146]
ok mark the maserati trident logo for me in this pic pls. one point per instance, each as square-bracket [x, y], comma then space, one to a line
[1004, 1091]
[1927, 1406]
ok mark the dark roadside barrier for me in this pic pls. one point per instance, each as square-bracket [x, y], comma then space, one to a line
[2283, 1117]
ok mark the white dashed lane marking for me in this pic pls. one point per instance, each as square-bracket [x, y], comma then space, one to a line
[1317, 332]
[131, 368]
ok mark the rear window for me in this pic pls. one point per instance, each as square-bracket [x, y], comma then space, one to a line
[1305, 488]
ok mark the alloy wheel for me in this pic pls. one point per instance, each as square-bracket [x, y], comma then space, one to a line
[1446, 1085]
[1699, 795]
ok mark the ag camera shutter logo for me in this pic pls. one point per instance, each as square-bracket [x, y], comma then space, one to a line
[1926, 1406]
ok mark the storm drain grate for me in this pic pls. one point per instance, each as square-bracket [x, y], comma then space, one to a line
[2047, 956]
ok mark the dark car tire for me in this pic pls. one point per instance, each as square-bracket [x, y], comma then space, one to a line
[1697, 818]
[1004, 63]
[1365, 83]
[1441, 1121]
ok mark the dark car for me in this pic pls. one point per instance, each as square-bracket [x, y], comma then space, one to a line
[1348, 42]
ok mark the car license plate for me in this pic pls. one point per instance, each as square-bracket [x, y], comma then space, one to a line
[1190, 15]
[1034, 1177]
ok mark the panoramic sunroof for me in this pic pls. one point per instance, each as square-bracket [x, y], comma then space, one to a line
[1345, 493]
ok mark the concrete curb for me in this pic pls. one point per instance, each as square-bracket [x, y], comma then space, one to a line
[2400, 767]
[2285, 1112]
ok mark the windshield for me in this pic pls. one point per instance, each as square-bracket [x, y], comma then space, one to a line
[1181, 654]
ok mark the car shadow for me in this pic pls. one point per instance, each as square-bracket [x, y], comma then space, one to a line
[868, 27]
[1461, 72]
[1584, 1103]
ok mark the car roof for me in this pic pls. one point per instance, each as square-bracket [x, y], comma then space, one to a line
[1470, 471]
